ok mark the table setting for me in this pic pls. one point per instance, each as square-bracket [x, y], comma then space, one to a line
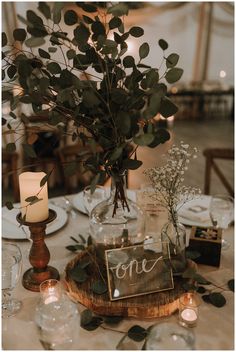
[77, 228]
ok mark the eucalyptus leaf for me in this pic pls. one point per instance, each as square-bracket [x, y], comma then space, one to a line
[44, 54]
[11, 71]
[34, 42]
[44, 9]
[174, 74]
[128, 61]
[163, 44]
[88, 7]
[144, 50]
[86, 317]
[136, 31]
[19, 34]
[217, 299]
[75, 247]
[70, 17]
[201, 289]
[9, 205]
[167, 107]
[115, 22]
[131, 164]
[231, 284]
[206, 298]
[119, 9]
[144, 139]
[137, 333]
[4, 39]
[99, 287]
[78, 274]
[54, 68]
[172, 60]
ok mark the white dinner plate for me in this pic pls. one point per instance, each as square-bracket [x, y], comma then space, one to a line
[196, 212]
[78, 201]
[11, 229]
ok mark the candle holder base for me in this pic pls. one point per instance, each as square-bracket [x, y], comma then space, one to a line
[31, 280]
[39, 255]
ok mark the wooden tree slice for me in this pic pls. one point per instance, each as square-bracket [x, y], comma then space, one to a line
[152, 305]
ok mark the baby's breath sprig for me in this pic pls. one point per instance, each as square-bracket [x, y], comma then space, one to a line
[167, 181]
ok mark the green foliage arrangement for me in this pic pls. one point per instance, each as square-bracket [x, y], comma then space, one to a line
[113, 107]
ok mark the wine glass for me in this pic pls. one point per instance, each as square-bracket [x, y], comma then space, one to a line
[221, 213]
[57, 320]
[91, 199]
[11, 270]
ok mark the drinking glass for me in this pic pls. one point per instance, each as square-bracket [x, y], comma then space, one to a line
[11, 270]
[57, 319]
[92, 199]
[170, 336]
[221, 213]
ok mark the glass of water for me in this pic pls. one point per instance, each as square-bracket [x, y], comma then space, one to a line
[11, 270]
[221, 213]
[91, 199]
[58, 323]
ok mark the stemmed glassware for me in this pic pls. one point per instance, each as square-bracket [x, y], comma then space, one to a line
[221, 213]
[11, 270]
[91, 199]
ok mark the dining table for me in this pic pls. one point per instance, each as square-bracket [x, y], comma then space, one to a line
[214, 329]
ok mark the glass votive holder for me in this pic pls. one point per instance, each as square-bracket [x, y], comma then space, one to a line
[51, 291]
[189, 309]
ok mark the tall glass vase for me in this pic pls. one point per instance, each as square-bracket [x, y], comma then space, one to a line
[117, 221]
[175, 233]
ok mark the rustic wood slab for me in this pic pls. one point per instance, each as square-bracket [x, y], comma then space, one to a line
[148, 306]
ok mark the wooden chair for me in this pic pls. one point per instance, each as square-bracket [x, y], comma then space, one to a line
[9, 171]
[217, 153]
[82, 177]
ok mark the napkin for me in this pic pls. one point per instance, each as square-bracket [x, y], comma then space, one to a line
[195, 212]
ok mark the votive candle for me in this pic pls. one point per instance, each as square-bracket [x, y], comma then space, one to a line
[29, 183]
[51, 291]
[188, 309]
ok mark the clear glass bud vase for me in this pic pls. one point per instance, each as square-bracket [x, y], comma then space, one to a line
[175, 233]
[117, 221]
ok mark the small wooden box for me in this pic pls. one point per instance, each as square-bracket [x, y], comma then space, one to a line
[206, 241]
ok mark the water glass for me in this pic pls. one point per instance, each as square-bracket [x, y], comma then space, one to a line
[11, 270]
[91, 199]
[58, 322]
[221, 213]
[170, 336]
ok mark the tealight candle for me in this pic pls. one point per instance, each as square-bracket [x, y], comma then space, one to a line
[29, 183]
[188, 309]
[51, 291]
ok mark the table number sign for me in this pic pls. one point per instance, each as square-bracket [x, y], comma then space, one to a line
[138, 270]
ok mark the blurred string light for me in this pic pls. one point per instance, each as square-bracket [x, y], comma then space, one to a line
[222, 74]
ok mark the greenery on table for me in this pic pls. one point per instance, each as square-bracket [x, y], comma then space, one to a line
[109, 98]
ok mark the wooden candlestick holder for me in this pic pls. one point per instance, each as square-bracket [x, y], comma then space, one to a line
[39, 255]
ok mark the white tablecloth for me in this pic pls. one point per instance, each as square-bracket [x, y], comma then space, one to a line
[214, 331]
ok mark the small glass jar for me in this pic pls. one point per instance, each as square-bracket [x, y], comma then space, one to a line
[189, 309]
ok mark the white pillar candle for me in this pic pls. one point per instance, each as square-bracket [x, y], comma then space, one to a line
[29, 183]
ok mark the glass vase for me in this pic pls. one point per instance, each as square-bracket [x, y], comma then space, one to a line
[117, 221]
[175, 233]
